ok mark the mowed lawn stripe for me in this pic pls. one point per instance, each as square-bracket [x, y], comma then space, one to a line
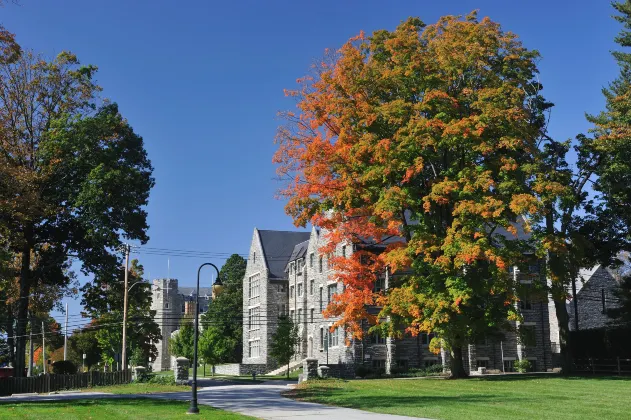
[509, 397]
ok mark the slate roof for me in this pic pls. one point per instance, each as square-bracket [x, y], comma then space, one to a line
[278, 247]
[300, 250]
[189, 291]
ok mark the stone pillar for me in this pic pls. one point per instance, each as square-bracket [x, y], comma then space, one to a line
[323, 372]
[473, 360]
[139, 372]
[391, 349]
[310, 368]
[181, 371]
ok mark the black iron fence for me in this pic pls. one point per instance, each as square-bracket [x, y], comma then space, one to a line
[51, 383]
[617, 366]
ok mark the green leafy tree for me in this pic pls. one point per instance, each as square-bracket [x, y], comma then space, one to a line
[221, 341]
[84, 342]
[587, 222]
[182, 342]
[285, 340]
[138, 357]
[75, 177]
[103, 300]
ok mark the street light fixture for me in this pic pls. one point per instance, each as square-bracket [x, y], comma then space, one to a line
[193, 409]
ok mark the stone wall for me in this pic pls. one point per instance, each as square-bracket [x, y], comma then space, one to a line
[235, 369]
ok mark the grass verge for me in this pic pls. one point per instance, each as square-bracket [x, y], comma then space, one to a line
[110, 409]
[497, 397]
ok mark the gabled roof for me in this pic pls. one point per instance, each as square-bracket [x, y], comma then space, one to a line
[278, 247]
[300, 250]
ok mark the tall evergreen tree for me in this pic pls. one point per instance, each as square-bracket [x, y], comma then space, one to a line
[285, 340]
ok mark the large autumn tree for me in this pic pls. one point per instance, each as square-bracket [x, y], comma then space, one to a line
[74, 177]
[429, 134]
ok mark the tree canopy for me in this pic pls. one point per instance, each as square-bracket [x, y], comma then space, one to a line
[428, 133]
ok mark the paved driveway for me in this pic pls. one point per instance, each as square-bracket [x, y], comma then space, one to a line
[258, 400]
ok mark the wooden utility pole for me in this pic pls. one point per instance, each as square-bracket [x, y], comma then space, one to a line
[126, 291]
[66, 336]
[43, 349]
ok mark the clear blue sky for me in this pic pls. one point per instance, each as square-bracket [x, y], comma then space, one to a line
[202, 81]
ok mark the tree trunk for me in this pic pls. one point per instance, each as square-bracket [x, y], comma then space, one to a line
[567, 363]
[288, 370]
[10, 335]
[22, 315]
[457, 367]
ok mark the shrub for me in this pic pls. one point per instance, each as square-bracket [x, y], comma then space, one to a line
[150, 378]
[522, 366]
[362, 371]
[64, 367]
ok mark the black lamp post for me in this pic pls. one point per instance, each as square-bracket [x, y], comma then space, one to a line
[193, 408]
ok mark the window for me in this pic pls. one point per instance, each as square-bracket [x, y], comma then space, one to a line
[166, 305]
[254, 288]
[379, 364]
[321, 338]
[312, 312]
[299, 289]
[299, 265]
[311, 256]
[254, 348]
[379, 285]
[376, 338]
[482, 341]
[254, 256]
[426, 338]
[183, 307]
[509, 366]
[320, 264]
[282, 309]
[321, 303]
[299, 320]
[291, 315]
[333, 337]
[533, 365]
[254, 318]
[527, 336]
[311, 286]
[291, 291]
[402, 364]
[483, 363]
[331, 290]
[344, 251]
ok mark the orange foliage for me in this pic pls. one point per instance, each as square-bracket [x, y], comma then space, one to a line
[419, 133]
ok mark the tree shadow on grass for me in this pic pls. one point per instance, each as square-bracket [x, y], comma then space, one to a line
[527, 377]
[354, 399]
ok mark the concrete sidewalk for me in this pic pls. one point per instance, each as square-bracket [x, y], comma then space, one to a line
[261, 400]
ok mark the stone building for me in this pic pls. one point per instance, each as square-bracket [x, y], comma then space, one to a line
[265, 293]
[171, 303]
[287, 274]
[595, 294]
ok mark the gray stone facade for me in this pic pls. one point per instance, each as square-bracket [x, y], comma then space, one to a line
[171, 303]
[303, 290]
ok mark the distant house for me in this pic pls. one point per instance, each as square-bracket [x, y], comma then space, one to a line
[595, 294]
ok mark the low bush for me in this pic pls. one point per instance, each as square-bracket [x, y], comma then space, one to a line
[522, 366]
[64, 367]
[151, 378]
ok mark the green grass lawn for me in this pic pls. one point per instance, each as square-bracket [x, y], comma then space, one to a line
[505, 397]
[138, 388]
[110, 409]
